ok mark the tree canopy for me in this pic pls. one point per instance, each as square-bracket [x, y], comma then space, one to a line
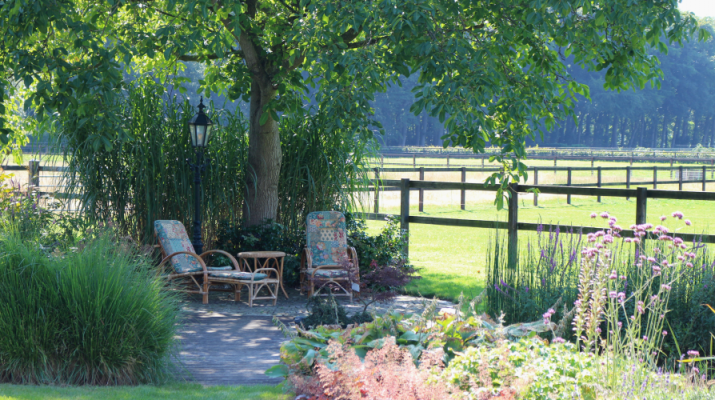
[489, 70]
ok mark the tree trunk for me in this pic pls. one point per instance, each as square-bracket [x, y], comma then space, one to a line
[614, 131]
[264, 161]
[664, 132]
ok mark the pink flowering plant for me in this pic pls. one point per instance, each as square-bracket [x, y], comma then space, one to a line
[632, 308]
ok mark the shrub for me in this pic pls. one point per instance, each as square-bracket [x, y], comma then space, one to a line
[270, 236]
[384, 249]
[382, 282]
[95, 316]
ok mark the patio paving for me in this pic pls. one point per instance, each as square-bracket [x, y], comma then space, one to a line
[222, 303]
[229, 343]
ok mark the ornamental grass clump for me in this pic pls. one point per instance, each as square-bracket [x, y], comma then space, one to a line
[97, 315]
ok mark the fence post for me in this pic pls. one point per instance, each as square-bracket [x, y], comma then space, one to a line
[598, 182]
[628, 180]
[463, 196]
[447, 161]
[655, 177]
[680, 177]
[422, 191]
[382, 161]
[536, 182]
[512, 225]
[568, 183]
[377, 190]
[641, 203]
[712, 169]
[554, 165]
[592, 158]
[671, 168]
[405, 212]
[704, 177]
[414, 161]
[33, 174]
[482, 161]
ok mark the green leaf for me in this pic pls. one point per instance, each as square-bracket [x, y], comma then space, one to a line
[278, 371]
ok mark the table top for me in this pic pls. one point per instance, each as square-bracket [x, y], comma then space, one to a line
[261, 254]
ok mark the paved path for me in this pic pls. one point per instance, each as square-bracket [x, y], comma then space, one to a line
[225, 350]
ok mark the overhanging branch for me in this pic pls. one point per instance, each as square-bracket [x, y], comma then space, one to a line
[202, 57]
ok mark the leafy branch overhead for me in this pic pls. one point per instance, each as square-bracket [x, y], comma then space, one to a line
[491, 71]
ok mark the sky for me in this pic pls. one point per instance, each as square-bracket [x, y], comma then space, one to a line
[701, 8]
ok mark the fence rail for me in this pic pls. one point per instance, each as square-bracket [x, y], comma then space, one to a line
[512, 225]
[33, 169]
[553, 156]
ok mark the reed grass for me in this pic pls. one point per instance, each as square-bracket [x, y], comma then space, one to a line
[321, 170]
[145, 176]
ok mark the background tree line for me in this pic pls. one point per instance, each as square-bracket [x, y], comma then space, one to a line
[679, 114]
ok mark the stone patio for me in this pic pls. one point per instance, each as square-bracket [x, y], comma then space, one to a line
[221, 303]
[229, 343]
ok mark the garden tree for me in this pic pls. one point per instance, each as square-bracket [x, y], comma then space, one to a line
[490, 70]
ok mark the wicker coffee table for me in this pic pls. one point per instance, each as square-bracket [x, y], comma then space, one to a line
[254, 260]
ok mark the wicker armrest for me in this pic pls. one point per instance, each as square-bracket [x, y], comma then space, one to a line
[223, 253]
[196, 256]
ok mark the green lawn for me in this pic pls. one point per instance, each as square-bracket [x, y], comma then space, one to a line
[452, 259]
[169, 392]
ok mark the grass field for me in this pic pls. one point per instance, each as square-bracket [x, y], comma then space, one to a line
[168, 392]
[452, 259]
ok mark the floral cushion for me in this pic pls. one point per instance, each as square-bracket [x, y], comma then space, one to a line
[329, 273]
[173, 238]
[244, 276]
[326, 241]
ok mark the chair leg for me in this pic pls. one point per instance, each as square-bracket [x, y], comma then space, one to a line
[206, 293]
[237, 293]
[250, 295]
[275, 294]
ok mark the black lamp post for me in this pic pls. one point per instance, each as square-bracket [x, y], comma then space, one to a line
[200, 129]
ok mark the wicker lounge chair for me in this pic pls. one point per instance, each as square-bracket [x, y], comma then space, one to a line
[193, 275]
[324, 259]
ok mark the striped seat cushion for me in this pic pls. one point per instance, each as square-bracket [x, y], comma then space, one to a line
[242, 276]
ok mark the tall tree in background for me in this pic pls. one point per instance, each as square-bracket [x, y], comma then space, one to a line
[490, 70]
[679, 113]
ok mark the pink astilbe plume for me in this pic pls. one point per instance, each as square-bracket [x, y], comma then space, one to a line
[386, 373]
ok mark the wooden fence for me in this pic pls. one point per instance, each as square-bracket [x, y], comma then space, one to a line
[683, 175]
[513, 226]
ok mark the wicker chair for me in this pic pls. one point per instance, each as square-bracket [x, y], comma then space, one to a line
[194, 276]
[326, 251]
